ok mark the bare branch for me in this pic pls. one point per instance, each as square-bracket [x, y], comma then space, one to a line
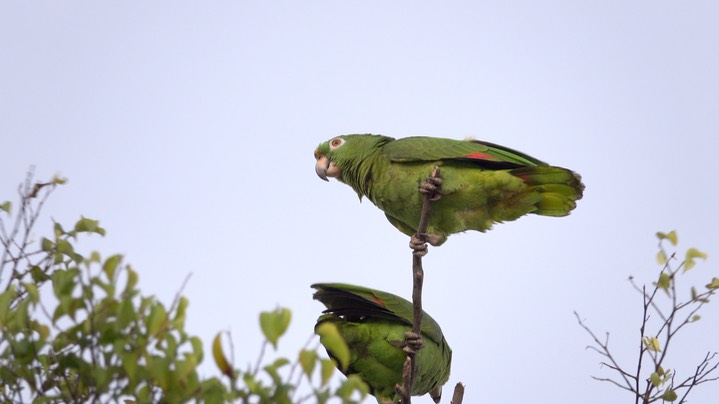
[410, 364]
[605, 352]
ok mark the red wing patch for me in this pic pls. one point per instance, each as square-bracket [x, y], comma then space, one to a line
[378, 301]
[480, 156]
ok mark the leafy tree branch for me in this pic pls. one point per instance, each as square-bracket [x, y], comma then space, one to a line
[658, 330]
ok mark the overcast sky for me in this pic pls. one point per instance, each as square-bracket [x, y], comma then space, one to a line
[187, 129]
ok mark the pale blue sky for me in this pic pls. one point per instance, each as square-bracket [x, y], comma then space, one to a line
[188, 129]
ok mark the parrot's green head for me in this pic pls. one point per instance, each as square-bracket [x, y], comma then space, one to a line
[342, 156]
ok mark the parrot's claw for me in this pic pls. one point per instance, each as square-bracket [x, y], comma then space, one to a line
[418, 244]
[432, 187]
[434, 239]
[413, 342]
[401, 392]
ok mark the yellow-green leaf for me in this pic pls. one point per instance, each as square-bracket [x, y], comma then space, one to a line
[669, 395]
[46, 244]
[89, 226]
[32, 292]
[661, 257]
[220, 358]
[652, 344]
[274, 324]
[352, 384]
[132, 279]
[655, 379]
[690, 256]
[332, 340]
[57, 180]
[671, 236]
[308, 359]
[664, 281]
[714, 284]
[157, 320]
[196, 343]
[327, 367]
[110, 266]
[6, 206]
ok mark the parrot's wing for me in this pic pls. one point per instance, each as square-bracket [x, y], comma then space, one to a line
[482, 153]
[344, 299]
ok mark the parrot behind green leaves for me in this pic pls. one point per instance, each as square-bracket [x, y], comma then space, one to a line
[373, 323]
[482, 183]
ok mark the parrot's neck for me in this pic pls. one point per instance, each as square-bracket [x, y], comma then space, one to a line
[358, 174]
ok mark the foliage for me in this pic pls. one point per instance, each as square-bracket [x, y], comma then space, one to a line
[75, 327]
[665, 313]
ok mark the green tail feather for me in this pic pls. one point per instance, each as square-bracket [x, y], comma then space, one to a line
[558, 187]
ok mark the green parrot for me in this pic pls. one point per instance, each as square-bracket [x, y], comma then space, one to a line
[374, 323]
[481, 183]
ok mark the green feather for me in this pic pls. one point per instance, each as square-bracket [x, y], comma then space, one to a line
[484, 183]
[373, 324]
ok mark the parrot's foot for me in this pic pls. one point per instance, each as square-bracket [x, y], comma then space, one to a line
[432, 187]
[418, 243]
[401, 392]
[412, 343]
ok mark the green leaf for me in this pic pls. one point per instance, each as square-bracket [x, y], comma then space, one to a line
[64, 246]
[664, 281]
[58, 230]
[655, 379]
[669, 395]
[695, 317]
[714, 283]
[661, 257]
[42, 330]
[5, 299]
[6, 206]
[273, 370]
[86, 225]
[38, 275]
[157, 320]
[671, 236]
[179, 320]
[32, 292]
[332, 340]
[129, 364]
[308, 359]
[63, 282]
[196, 343]
[110, 266]
[131, 280]
[274, 324]
[126, 313]
[352, 384]
[46, 244]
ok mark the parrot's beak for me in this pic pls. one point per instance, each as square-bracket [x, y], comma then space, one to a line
[323, 163]
[325, 168]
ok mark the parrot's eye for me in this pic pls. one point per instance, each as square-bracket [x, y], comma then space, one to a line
[336, 142]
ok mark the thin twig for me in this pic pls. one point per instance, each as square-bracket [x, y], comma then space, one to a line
[604, 351]
[410, 365]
